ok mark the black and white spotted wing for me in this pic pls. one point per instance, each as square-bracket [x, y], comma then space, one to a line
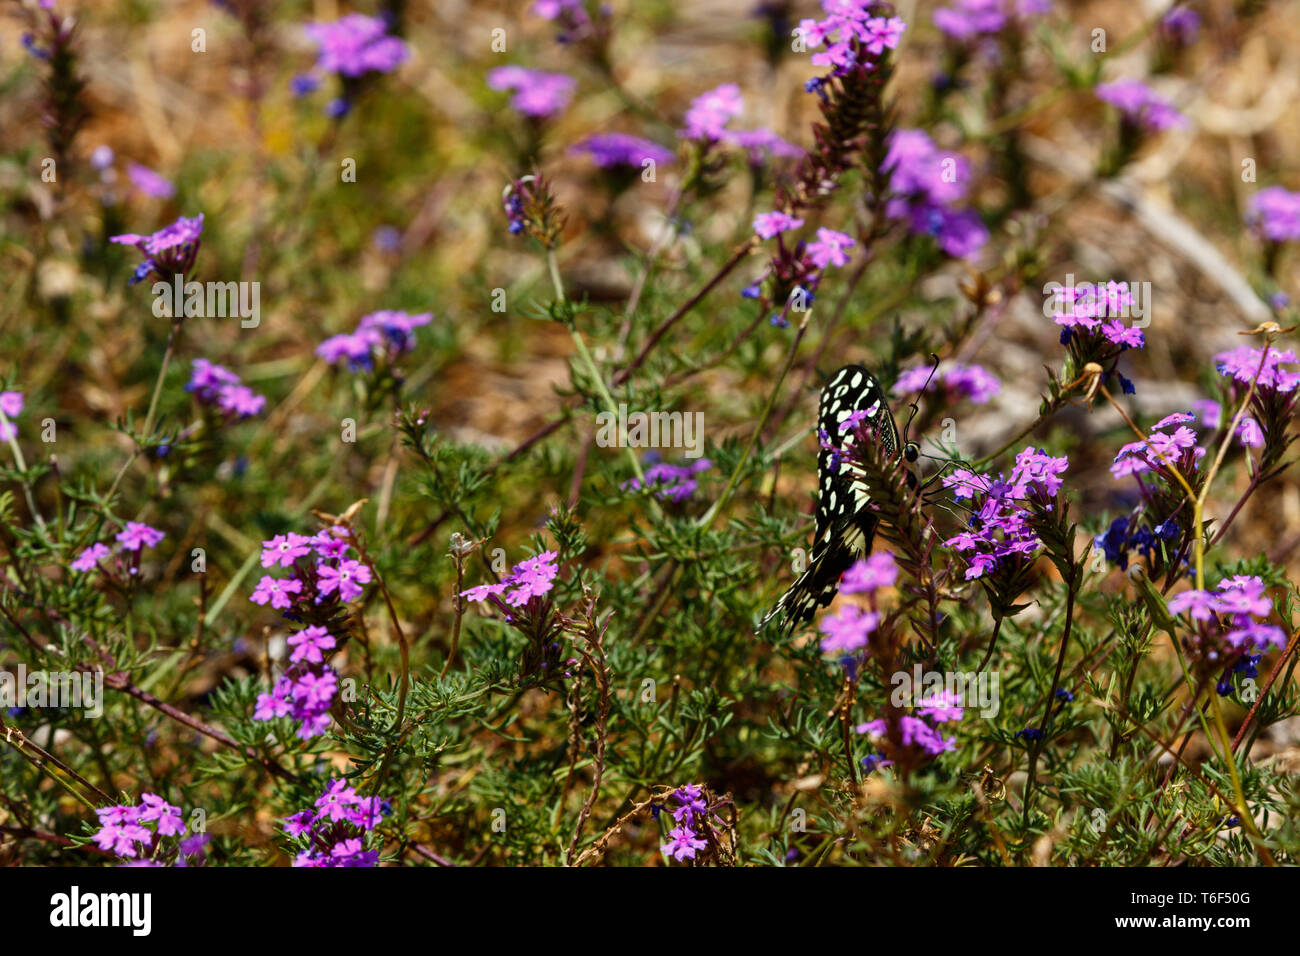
[845, 525]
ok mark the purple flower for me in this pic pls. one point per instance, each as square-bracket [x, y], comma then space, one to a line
[684, 844]
[768, 225]
[671, 482]
[356, 44]
[215, 386]
[1274, 213]
[537, 93]
[846, 632]
[870, 574]
[310, 643]
[149, 182]
[89, 559]
[710, 112]
[284, 550]
[528, 579]
[921, 170]
[1243, 362]
[609, 150]
[1199, 605]
[137, 535]
[958, 381]
[347, 579]
[1138, 103]
[830, 249]
[303, 84]
[169, 251]
[276, 591]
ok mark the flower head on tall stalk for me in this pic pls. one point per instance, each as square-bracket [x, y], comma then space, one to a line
[1092, 317]
[1222, 635]
[523, 597]
[333, 832]
[1273, 401]
[63, 113]
[169, 252]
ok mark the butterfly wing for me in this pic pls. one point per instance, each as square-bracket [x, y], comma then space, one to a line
[846, 526]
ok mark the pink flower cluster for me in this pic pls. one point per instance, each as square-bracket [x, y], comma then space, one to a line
[334, 832]
[1095, 309]
[134, 537]
[215, 386]
[848, 631]
[331, 574]
[956, 380]
[851, 34]
[528, 579]
[122, 831]
[710, 113]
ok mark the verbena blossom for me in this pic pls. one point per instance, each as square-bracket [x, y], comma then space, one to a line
[926, 183]
[710, 112]
[1274, 213]
[768, 225]
[968, 19]
[123, 831]
[671, 482]
[385, 334]
[609, 150]
[169, 251]
[1181, 25]
[536, 92]
[136, 535]
[90, 557]
[849, 630]
[1223, 636]
[1141, 105]
[529, 579]
[1244, 362]
[333, 832]
[356, 44]
[848, 31]
[954, 380]
[11, 405]
[1092, 330]
[216, 387]
[694, 817]
[830, 249]
[1000, 532]
[908, 733]
[148, 182]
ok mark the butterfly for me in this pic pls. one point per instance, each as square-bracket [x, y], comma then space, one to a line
[846, 526]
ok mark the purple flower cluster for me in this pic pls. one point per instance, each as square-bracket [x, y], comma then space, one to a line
[333, 834]
[528, 579]
[386, 334]
[1274, 213]
[610, 150]
[795, 270]
[1244, 362]
[957, 380]
[999, 524]
[169, 251]
[671, 482]
[969, 19]
[536, 93]
[215, 386]
[707, 122]
[1224, 634]
[1162, 449]
[11, 406]
[332, 574]
[909, 736]
[122, 831]
[1096, 309]
[306, 690]
[134, 537]
[355, 45]
[692, 815]
[851, 34]
[148, 182]
[927, 183]
[570, 15]
[1141, 105]
[849, 630]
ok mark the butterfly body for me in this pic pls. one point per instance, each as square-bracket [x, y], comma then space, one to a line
[846, 525]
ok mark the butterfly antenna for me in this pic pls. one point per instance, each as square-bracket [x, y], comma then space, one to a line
[934, 367]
